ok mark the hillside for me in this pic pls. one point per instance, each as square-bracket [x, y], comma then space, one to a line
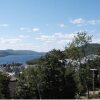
[18, 56]
[22, 56]
[18, 52]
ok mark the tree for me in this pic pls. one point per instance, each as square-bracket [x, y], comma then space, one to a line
[76, 51]
[58, 84]
[76, 48]
[81, 39]
[4, 89]
[48, 80]
[51, 79]
[28, 84]
[73, 52]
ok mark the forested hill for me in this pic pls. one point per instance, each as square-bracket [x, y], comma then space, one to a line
[8, 52]
[18, 56]
[93, 48]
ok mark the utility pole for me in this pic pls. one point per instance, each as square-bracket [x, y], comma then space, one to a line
[93, 79]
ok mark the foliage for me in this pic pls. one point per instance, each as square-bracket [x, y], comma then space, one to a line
[52, 79]
[81, 39]
[57, 81]
[76, 51]
[4, 89]
[73, 53]
[49, 80]
[57, 53]
[27, 85]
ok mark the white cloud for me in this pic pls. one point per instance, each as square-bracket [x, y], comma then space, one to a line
[78, 21]
[25, 46]
[9, 40]
[93, 22]
[59, 40]
[96, 40]
[19, 46]
[40, 33]
[81, 21]
[22, 28]
[17, 43]
[56, 38]
[26, 29]
[64, 41]
[35, 29]
[23, 36]
[62, 25]
[4, 25]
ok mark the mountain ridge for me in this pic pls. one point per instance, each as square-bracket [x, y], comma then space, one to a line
[18, 56]
[8, 52]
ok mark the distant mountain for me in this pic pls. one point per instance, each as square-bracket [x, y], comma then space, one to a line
[18, 52]
[18, 56]
[22, 56]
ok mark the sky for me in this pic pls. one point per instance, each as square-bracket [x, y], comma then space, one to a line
[43, 25]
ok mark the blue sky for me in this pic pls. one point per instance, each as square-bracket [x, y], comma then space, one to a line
[42, 25]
